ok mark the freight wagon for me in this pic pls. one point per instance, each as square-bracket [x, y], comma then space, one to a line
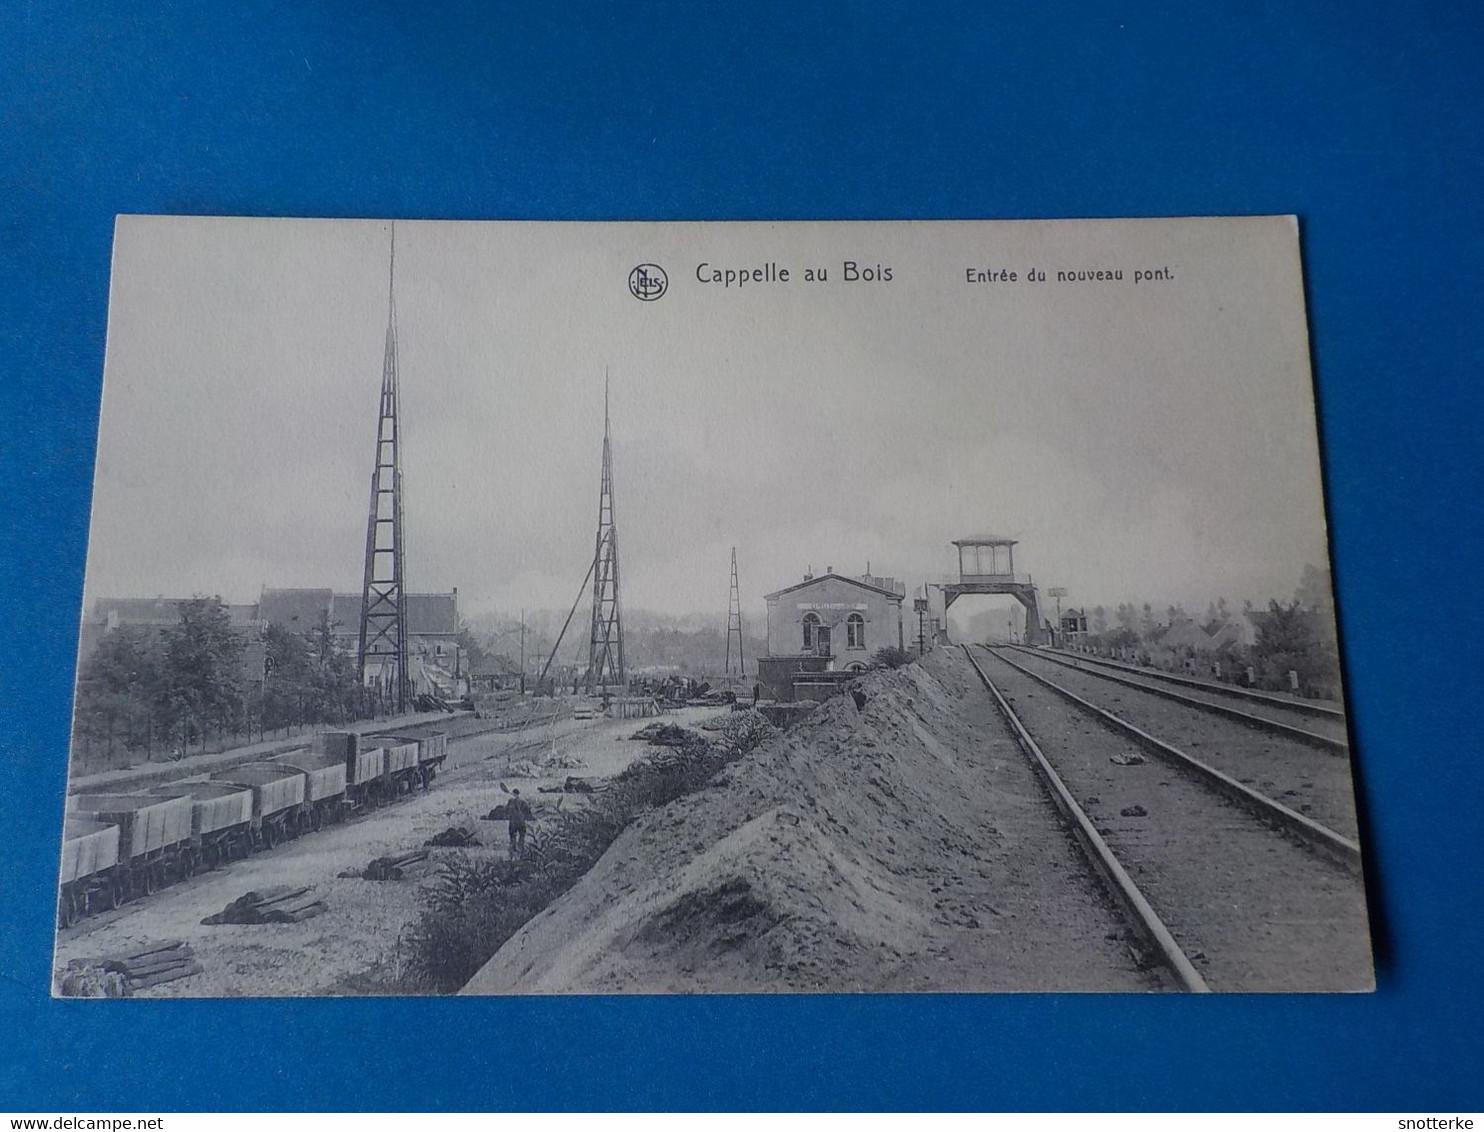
[365, 767]
[221, 821]
[154, 830]
[432, 749]
[277, 796]
[400, 771]
[90, 875]
[324, 785]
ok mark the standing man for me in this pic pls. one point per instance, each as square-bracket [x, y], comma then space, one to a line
[757, 691]
[517, 814]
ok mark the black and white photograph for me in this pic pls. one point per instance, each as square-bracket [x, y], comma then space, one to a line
[499, 608]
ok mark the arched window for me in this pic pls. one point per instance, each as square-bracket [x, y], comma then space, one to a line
[855, 631]
[811, 623]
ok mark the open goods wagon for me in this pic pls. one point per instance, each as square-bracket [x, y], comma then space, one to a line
[400, 771]
[277, 797]
[365, 767]
[432, 749]
[154, 833]
[90, 875]
[324, 785]
[221, 821]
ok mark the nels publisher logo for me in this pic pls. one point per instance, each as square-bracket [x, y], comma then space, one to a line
[648, 282]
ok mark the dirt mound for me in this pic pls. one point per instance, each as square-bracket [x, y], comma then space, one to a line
[878, 847]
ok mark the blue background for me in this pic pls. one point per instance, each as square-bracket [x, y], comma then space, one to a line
[1362, 118]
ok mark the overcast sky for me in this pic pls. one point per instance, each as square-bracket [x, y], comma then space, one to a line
[1152, 441]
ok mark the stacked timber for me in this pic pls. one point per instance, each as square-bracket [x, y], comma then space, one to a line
[121, 976]
[281, 904]
[399, 866]
[455, 836]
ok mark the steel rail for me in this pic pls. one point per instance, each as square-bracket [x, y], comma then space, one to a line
[1303, 707]
[1336, 847]
[1098, 851]
[1260, 722]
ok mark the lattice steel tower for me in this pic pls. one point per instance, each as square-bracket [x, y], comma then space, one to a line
[734, 621]
[605, 664]
[383, 647]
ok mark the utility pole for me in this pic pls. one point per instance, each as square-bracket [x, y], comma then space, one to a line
[734, 622]
[920, 607]
[1057, 592]
[523, 652]
[383, 642]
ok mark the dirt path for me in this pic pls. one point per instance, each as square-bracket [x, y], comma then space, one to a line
[358, 934]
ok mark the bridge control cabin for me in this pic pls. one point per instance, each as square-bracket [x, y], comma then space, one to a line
[986, 565]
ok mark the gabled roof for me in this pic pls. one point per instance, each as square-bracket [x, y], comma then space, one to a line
[814, 581]
[1187, 634]
[296, 609]
[159, 611]
[496, 665]
[426, 613]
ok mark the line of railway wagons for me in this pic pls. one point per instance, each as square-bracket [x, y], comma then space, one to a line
[118, 847]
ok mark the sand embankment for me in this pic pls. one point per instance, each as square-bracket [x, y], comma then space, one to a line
[900, 846]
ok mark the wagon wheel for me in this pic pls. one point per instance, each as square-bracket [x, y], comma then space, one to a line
[66, 910]
[269, 840]
[189, 865]
[112, 894]
[147, 880]
[316, 819]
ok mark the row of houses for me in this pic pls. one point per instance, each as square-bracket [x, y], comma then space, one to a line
[437, 663]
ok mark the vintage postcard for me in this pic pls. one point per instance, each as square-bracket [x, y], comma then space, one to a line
[549, 608]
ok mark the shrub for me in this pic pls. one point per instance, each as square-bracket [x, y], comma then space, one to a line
[474, 906]
[889, 657]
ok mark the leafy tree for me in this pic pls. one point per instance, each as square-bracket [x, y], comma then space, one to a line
[1099, 619]
[288, 674]
[891, 657]
[1290, 639]
[474, 646]
[203, 669]
[119, 689]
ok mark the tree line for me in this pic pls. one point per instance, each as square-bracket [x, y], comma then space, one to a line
[170, 692]
[1297, 635]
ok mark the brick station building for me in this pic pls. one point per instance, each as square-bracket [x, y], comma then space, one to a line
[823, 630]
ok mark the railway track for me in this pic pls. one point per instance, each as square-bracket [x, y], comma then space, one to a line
[1315, 708]
[1269, 761]
[1314, 725]
[1233, 890]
